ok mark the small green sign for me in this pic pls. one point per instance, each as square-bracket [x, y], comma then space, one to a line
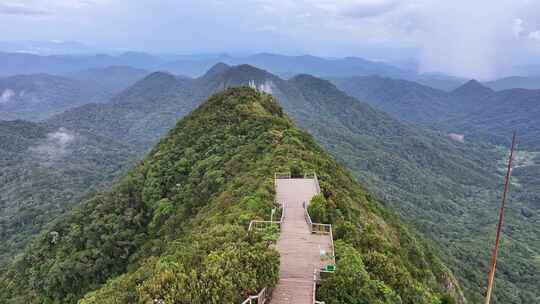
[330, 268]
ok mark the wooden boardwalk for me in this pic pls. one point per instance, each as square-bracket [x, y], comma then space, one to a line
[299, 249]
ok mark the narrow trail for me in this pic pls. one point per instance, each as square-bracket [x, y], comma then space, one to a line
[299, 249]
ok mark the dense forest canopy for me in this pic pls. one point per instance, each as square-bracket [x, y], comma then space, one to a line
[44, 171]
[445, 188]
[175, 227]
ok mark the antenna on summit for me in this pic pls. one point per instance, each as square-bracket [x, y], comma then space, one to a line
[493, 267]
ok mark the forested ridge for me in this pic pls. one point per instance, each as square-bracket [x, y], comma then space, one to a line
[175, 227]
[446, 189]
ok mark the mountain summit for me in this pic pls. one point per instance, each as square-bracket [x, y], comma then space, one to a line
[174, 229]
[472, 88]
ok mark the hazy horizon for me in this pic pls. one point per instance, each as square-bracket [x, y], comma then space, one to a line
[479, 40]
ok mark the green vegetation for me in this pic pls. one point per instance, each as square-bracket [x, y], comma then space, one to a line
[377, 262]
[138, 116]
[175, 228]
[447, 190]
[45, 171]
[352, 283]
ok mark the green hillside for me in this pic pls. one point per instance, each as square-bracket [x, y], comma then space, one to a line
[458, 213]
[139, 115]
[448, 190]
[174, 228]
[44, 170]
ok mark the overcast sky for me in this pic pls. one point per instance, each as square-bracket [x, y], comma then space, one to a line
[471, 38]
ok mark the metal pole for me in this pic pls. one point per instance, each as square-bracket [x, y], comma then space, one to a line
[491, 276]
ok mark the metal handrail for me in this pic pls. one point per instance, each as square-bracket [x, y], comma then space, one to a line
[254, 223]
[265, 293]
[321, 228]
[282, 175]
[313, 175]
[315, 280]
[308, 218]
[314, 228]
[317, 183]
[282, 213]
[332, 242]
[329, 226]
[261, 297]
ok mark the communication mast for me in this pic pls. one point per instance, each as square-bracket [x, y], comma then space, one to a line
[491, 276]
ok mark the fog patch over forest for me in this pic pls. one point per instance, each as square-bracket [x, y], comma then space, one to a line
[55, 146]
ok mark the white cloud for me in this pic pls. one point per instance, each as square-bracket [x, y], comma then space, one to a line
[473, 39]
[6, 96]
[349, 8]
[457, 137]
[518, 27]
[17, 8]
[368, 8]
[534, 35]
[43, 8]
[521, 31]
[461, 37]
[267, 86]
[55, 146]
[267, 28]
[61, 137]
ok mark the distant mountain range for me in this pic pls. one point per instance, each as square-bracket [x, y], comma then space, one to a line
[291, 65]
[472, 109]
[22, 63]
[52, 47]
[38, 96]
[281, 65]
[515, 82]
[111, 79]
[35, 97]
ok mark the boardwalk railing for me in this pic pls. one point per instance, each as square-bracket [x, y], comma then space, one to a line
[264, 295]
[308, 218]
[261, 298]
[261, 225]
[318, 275]
[315, 280]
[321, 228]
[313, 175]
[282, 175]
[318, 228]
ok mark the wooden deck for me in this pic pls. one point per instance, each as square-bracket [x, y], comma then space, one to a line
[299, 249]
